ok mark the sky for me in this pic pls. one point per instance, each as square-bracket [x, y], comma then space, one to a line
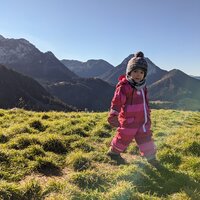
[167, 31]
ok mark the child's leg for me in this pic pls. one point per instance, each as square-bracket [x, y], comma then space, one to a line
[146, 145]
[122, 139]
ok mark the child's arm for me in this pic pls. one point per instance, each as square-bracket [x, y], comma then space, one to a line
[118, 100]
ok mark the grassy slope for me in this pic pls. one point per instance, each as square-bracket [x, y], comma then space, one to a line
[63, 156]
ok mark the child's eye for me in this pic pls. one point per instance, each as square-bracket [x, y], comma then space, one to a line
[139, 71]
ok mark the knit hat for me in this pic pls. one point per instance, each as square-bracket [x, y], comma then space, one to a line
[137, 62]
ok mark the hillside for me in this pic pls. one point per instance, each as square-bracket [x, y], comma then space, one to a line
[62, 156]
[18, 90]
[178, 88]
[91, 94]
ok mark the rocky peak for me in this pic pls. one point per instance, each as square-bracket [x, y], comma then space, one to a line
[49, 54]
[23, 57]
[1, 37]
[15, 49]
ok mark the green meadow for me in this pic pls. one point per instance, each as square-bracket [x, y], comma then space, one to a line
[62, 156]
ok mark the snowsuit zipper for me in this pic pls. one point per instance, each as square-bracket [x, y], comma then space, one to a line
[145, 111]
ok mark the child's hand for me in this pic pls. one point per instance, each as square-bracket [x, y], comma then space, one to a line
[113, 120]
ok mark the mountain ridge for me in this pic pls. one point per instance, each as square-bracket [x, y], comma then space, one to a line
[88, 69]
[177, 79]
[18, 90]
[23, 57]
[91, 94]
[178, 88]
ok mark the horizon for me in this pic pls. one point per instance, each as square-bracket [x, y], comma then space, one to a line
[109, 30]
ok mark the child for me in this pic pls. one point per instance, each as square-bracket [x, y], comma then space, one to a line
[130, 111]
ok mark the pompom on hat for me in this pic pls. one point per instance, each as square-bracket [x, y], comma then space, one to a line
[137, 62]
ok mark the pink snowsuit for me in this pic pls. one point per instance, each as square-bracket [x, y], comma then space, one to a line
[134, 118]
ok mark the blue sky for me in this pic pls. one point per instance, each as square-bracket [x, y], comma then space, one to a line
[167, 31]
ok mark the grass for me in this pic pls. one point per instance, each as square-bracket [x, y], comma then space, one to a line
[57, 155]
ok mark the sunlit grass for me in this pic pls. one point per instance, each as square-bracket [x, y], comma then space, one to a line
[57, 155]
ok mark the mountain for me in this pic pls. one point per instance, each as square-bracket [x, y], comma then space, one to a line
[90, 94]
[177, 88]
[113, 75]
[154, 72]
[18, 90]
[197, 77]
[25, 58]
[91, 68]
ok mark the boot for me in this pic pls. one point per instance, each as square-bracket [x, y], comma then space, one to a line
[116, 156]
[154, 162]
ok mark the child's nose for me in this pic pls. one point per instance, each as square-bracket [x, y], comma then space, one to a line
[138, 73]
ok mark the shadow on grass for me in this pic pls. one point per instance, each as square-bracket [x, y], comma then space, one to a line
[164, 182]
[48, 168]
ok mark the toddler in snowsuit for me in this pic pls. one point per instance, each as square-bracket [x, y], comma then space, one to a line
[130, 111]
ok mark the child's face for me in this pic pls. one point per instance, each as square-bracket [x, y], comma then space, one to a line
[137, 75]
